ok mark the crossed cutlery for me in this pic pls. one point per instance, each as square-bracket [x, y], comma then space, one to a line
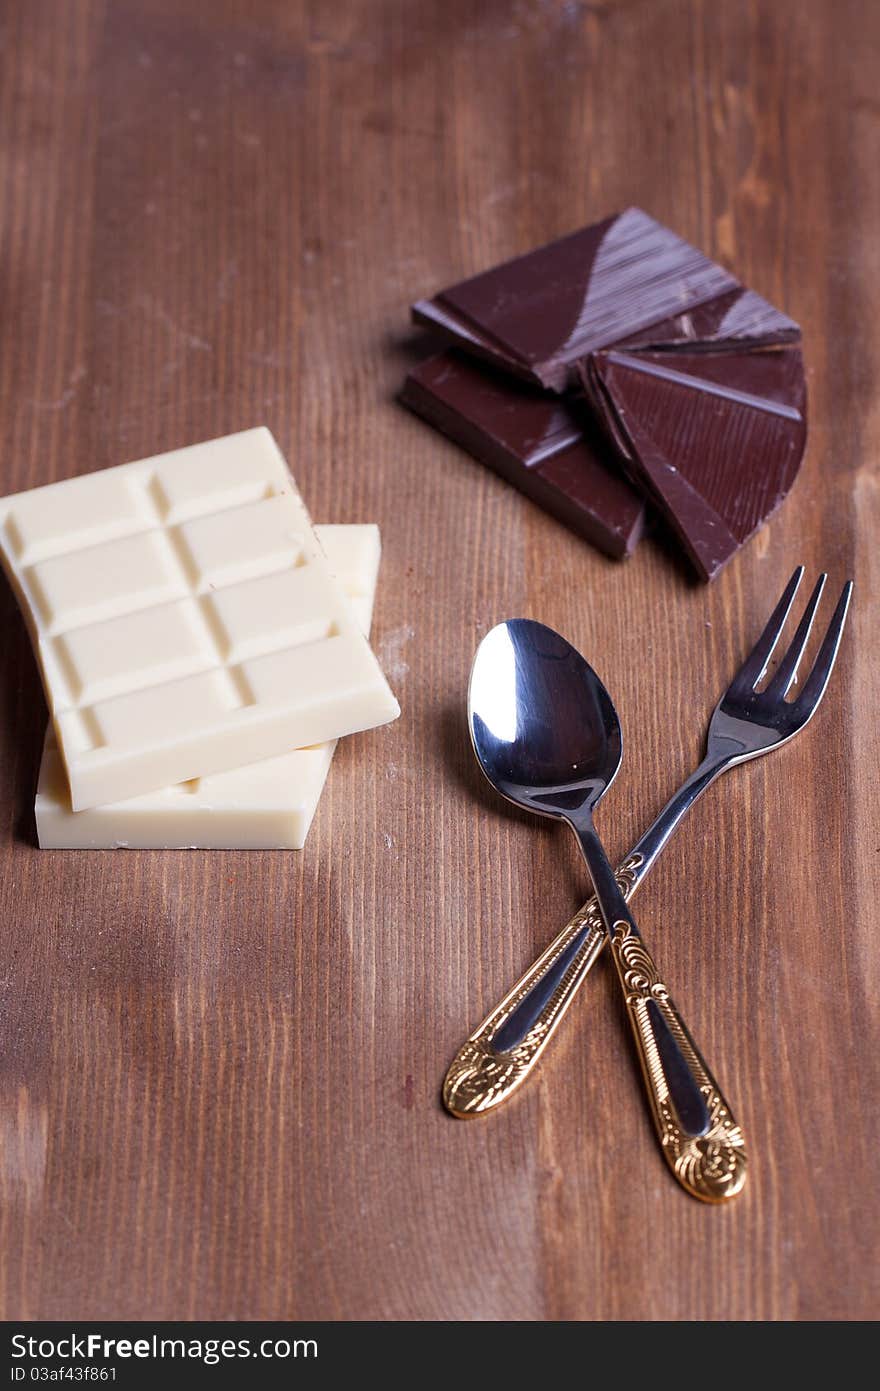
[503, 1051]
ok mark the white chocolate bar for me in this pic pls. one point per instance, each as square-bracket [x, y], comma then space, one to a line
[184, 618]
[264, 806]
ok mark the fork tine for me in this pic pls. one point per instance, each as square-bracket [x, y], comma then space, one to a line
[814, 686]
[785, 674]
[755, 664]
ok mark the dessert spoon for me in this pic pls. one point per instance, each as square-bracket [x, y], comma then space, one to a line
[548, 738]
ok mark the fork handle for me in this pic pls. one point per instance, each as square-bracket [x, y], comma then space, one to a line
[503, 1051]
[700, 1139]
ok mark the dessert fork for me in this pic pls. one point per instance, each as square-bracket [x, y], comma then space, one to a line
[504, 1050]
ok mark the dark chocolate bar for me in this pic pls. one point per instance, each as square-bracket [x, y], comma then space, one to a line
[547, 446]
[716, 440]
[627, 279]
[696, 380]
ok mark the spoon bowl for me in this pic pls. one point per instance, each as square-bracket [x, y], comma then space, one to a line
[543, 727]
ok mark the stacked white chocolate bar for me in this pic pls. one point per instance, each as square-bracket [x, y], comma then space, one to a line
[202, 647]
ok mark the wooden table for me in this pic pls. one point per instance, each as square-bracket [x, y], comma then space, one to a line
[219, 1072]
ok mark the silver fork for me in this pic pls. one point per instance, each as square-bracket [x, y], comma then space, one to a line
[504, 1050]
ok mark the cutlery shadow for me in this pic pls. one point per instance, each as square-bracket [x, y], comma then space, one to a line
[22, 719]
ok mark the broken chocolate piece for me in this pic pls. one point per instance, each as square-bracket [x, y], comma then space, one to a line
[546, 446]
[625, 280]
[697, 381]
[715, 439]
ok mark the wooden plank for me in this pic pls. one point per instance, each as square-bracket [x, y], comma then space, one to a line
[219, 1073]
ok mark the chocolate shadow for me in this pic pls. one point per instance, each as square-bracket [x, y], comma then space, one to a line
[23, 718]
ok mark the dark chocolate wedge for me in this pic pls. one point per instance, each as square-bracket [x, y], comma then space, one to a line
[548, 447]
[732, 321]
[626, 279]
[716, 439]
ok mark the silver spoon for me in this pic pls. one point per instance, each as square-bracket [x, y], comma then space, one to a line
[548, 738]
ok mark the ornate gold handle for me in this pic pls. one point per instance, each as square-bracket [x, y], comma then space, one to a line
[484, 1073]
[701, 1141]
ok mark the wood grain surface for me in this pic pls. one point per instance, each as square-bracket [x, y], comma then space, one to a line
[219, 1073]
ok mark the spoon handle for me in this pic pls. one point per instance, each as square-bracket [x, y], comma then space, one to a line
[700, 1139]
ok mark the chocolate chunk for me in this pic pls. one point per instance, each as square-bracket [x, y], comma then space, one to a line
[697, 381]
[715, 439]
[547, 446]
[625, 280]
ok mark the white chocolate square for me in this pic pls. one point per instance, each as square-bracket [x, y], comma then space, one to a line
[265, 805]
[135, 572]
[123, 654]
[70, 516]
[247, 619]
[185, 619]
[264, 541]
